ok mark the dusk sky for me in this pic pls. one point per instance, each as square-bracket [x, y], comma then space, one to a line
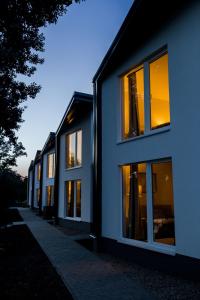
[74, 49]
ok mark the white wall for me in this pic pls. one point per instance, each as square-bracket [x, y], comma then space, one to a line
[36, 186]
[181, 142]
[30, 183]
[45, 180]
[83, 173]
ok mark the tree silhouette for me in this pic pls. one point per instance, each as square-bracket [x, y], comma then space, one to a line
[20, 43]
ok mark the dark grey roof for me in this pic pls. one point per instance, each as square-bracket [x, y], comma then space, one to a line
[144, 18]
[76, 107]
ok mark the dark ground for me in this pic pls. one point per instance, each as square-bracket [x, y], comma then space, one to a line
[25, 271]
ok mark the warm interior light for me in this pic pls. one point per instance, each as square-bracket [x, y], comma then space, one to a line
[159, 91]
[133, 103]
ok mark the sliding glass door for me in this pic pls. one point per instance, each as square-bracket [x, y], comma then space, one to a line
[148, 206]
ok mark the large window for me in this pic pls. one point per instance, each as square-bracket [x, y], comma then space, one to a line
[38, 172]
[146, 95]
[74, 149]
[50, 195]
[134, 202]
[73, 199]
[148, 183]
[51, 165]
[38, 195]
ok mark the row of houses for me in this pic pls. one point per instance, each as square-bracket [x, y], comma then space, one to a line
[123, 163]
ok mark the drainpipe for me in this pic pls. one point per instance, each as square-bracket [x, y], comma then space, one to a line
[56, 177]
[97, 156]
[41, 182]
[33, 187]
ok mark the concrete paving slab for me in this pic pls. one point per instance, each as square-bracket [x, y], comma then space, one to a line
[86, 276]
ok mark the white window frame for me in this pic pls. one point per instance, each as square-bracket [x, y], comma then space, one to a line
[67, 151]
[145, 64]
[150, 244]
[53, 165]
[75, 218]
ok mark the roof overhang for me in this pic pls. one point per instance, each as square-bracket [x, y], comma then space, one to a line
[144, 19]
[79, 105]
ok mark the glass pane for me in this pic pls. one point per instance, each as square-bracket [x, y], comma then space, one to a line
[159, 89]
[53, 168]
[38, 196]
[50, 195]
[134, 104]
[134, 202]
[70, 198]
[70, 150]
[79, 147]
[50, 165]
[78, 198]
[163, 203]
[38, 172]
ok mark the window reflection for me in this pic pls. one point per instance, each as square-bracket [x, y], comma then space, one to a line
[78, 198]
[74, 149]
[133, 103]
[50, 195]
[51, 165]
[70, 198]
[134, 202]
[163, 203]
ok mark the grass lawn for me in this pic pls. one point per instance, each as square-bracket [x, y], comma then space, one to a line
[26, 272]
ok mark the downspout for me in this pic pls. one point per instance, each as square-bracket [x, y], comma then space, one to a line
[97, 176]
[56, 179]
[41, 181]
[28, 186]
[33, 187]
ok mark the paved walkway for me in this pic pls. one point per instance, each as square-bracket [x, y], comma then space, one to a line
[85, 275]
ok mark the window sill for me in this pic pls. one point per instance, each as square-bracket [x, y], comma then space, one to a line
[73, 168]
[73, 219]
[166, 249]
[147, 134]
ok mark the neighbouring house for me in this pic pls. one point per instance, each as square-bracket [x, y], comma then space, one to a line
[73, 181]
[30, 184]
[147, 191]
[37, 181]
[48, 173]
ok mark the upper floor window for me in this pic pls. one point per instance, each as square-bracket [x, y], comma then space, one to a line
[74, 149]
[38, 172]
[146, 96]
[51, 165]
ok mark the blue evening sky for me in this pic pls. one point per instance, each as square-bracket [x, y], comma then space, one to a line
[74, 49]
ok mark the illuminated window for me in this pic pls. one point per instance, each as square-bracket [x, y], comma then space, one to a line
[38, 195]
[134, 202]
[159, 91]
[50, 165]
[74, 149]
[135, 96]
[133, 86]
[148, 183]
[38, 172]
[50, 195]
[163, 203]
[73, 199]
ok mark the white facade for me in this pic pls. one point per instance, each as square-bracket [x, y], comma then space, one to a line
[82, 173]
[30, 187]
[46, 181]
[36, 186]
[179, 141]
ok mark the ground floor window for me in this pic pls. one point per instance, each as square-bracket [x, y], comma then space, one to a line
[73, 198]
[148, 206]
[50, 195]
[38, 195]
